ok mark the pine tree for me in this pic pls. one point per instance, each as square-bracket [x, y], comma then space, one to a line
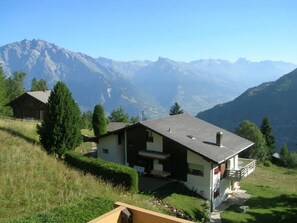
[99, 121]
[87, 120]
[250, 131]
[3, 94]
[175, 109]
[266, 130]
[284, 155]
[40, 85]
[60, 129]
[15, 85]
[118, 115]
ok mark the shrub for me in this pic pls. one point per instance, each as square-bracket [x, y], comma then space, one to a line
[116, 173]
[83, 211]
[267, 163]
[292, 160]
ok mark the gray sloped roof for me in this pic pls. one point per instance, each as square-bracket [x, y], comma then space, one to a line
[114, 126]
[40, 95]
[183, 125]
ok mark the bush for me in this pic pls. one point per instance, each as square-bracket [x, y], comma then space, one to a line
[83, 211]
[267, 163]
[116, 173]
[292, 160]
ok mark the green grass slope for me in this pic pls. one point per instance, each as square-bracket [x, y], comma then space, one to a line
[32, 181]
[274, 197]
[36, 187]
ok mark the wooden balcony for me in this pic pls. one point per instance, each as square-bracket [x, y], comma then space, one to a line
[245, 168]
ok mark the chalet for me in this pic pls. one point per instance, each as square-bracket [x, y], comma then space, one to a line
[184, 148]
[30, 105]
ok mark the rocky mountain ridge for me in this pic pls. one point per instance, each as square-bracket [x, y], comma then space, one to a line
[138, 86]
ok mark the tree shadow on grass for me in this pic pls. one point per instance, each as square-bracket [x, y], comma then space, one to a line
[18, 134]
[278, 209]
[178, 188]
[173, 187]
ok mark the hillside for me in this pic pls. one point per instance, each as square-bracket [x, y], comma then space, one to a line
[32, 181]
[151, 87]
[37, 186]
[277, 100]
[272, 200]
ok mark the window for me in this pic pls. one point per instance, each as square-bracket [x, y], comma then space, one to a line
[105, 150]
[119, 139]
[161, 162]
[195, 169]
[149, 136]
[216, 193]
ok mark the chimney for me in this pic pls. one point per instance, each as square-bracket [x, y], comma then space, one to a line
[219, 139]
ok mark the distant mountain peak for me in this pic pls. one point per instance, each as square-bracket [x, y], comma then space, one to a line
[242, 60]
[199, 85]
[89, 81]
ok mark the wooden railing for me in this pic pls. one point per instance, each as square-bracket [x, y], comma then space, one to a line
[246, 167]
[127, 213]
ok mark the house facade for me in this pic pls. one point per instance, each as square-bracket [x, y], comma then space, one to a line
[184, 148]
[30, 105]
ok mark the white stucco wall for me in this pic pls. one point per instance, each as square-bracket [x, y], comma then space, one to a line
[233, 163]
[210, 182]
[224, 188]
[198, 183]
[157, 166]
[236, 162]
[116, 152]
[157, 144]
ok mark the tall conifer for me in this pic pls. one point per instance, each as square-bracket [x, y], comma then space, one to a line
[99, 121]
[60, 129]
[175, 109]
[266, 130]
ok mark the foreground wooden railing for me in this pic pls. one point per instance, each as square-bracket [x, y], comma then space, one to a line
[247, 167]
[126, 213]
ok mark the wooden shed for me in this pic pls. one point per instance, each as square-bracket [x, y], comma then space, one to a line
[30, 105]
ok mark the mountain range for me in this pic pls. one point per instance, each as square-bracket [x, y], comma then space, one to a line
[277, 100]
[89, 81]
[148, 87]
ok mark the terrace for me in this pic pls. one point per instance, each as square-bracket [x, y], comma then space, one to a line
[245, 168]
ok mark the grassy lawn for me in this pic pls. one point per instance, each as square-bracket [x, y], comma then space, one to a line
[85, 147]
[183, 199]
[33, 182]
[274, 197]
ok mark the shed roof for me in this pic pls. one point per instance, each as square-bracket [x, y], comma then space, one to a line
[40, 95]
[199, 136]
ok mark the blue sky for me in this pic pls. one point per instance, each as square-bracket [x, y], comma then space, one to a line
[183, 30]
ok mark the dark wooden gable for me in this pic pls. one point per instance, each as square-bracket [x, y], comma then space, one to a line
[27, 107]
